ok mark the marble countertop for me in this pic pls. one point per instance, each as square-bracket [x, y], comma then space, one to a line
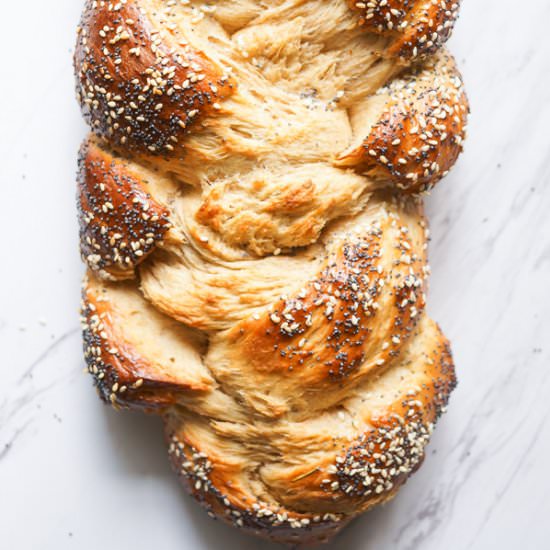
[75, 474]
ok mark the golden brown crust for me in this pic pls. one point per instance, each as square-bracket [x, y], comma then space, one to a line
[420, 132]
[343, 301]
[134, 88]
[217, 486]
[123, 374]
[416, 27]
[379, 460]
[120, 223]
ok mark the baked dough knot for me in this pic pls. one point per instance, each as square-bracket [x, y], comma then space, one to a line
[251, 214]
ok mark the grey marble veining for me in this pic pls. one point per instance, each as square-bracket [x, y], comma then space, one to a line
[74, 474]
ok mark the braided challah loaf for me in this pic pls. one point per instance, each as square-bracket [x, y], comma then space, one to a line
[256, 246]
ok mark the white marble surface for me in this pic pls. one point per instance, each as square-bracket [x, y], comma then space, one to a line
[74, 474]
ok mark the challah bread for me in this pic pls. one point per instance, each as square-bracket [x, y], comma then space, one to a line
[251, 217]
